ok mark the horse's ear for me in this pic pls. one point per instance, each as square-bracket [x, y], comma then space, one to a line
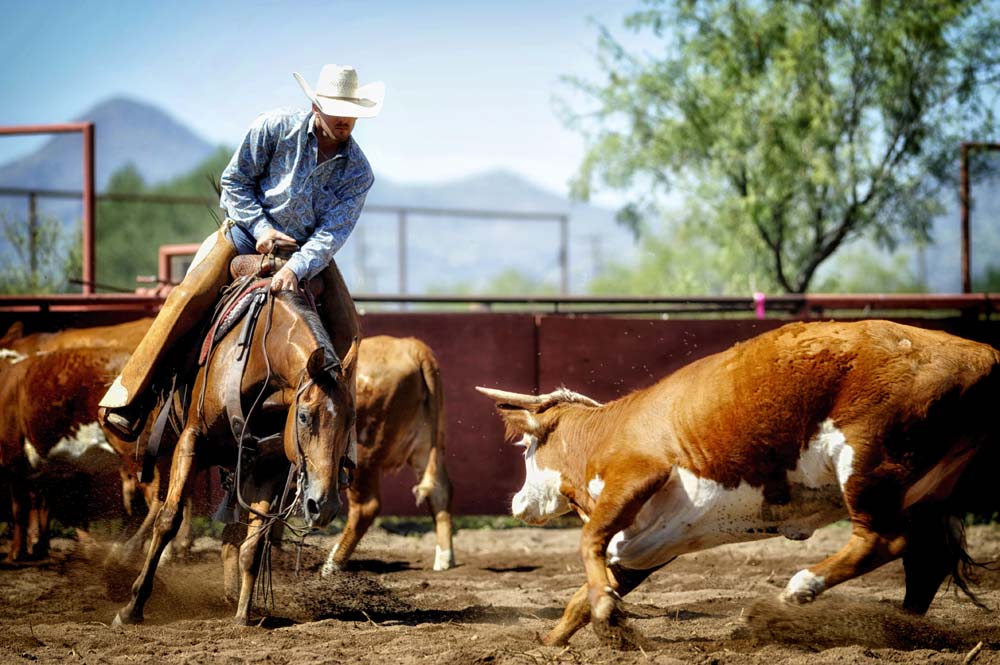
[347, 364]
[316, 366]
[16, 331]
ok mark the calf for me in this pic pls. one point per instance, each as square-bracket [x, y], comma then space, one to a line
[779, 435]
[400, 422]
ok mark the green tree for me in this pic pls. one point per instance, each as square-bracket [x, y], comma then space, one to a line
[799, 125]
[37, 261]
[130, 233]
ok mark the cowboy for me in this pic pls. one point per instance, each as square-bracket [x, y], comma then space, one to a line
[294, 187]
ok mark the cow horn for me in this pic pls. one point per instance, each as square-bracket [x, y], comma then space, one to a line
[514, 399]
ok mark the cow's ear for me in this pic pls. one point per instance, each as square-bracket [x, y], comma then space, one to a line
[521, 421]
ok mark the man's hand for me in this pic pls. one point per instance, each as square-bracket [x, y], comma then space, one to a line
[284, 280]
[274, 238]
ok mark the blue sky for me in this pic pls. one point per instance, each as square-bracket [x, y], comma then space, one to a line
[470, 85]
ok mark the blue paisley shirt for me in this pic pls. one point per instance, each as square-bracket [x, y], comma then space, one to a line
[273, 181]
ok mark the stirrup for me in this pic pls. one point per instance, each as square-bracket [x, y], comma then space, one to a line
[125, 422]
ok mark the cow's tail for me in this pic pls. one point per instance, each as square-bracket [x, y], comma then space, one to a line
[435, 479]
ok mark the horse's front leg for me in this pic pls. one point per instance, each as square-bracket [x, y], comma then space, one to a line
[168, 520]
[250, 556]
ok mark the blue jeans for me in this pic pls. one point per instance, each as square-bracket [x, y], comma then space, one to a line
[244, 242]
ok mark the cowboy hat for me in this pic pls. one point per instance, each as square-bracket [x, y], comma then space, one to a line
[338, 94]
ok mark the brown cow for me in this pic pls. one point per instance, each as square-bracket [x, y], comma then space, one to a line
[400, 407]
[49, 384]
[48, 401]
[779, 435]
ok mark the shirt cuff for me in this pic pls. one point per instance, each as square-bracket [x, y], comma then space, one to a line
[298, 265]
[259, 226]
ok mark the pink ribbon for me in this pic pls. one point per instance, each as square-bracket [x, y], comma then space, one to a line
[758, 301]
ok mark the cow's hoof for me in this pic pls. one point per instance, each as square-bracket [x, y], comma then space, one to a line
[799, 597]
[803, 588]
[443, 559]
[618, 633]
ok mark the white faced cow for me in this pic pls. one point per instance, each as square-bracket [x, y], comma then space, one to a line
[779, 435]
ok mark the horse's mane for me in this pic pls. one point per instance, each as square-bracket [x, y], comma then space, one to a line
[301, 306]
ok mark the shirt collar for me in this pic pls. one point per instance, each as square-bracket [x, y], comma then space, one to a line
[346, 152]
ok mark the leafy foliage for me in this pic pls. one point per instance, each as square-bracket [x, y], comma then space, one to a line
[40, 261]
[129, 233]
[798, 125]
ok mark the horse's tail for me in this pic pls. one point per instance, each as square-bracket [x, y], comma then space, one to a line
[434, 475]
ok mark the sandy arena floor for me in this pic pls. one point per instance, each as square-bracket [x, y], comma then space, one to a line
[509, 587]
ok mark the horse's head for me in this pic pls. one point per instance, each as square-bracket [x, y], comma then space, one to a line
[319, 431]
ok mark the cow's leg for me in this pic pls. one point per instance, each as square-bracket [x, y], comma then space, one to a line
[865, 551]
[249, 559]
[168, 520]
[20, 505]
[39, 523]
[577, 612]
[364, 503]
[932, 553]
[232, 536]
[616, 508]
[435, 488]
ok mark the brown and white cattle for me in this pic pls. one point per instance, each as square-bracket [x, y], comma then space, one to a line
[50, 384]
[400, 422]
[871, 421]
[48, 405]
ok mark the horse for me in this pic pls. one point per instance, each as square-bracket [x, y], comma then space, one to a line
[400, 422]
[291, 361]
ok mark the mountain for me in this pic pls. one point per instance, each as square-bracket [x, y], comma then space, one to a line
[444, 253]
[126, 130]
[448, 252]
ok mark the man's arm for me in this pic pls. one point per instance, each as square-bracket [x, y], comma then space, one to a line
[333, 231]
[239, 179]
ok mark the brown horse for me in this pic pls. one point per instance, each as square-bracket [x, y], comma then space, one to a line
[292, 362]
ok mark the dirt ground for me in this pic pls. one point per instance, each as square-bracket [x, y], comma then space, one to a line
[509, 586]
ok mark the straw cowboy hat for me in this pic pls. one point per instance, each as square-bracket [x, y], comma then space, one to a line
[338, 94]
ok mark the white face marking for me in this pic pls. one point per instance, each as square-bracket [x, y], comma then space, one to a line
[804, 587]
[595, 487]
[539, 498]
[329, 406]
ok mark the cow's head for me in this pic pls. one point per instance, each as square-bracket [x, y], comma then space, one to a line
[533, 423]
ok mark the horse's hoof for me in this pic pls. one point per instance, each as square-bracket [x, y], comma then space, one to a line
[126, 619]
[329, 568]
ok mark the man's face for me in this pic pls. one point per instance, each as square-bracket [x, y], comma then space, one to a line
[333, 127]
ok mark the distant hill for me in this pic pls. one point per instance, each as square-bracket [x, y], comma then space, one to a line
[126, 131]
[443, 253]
